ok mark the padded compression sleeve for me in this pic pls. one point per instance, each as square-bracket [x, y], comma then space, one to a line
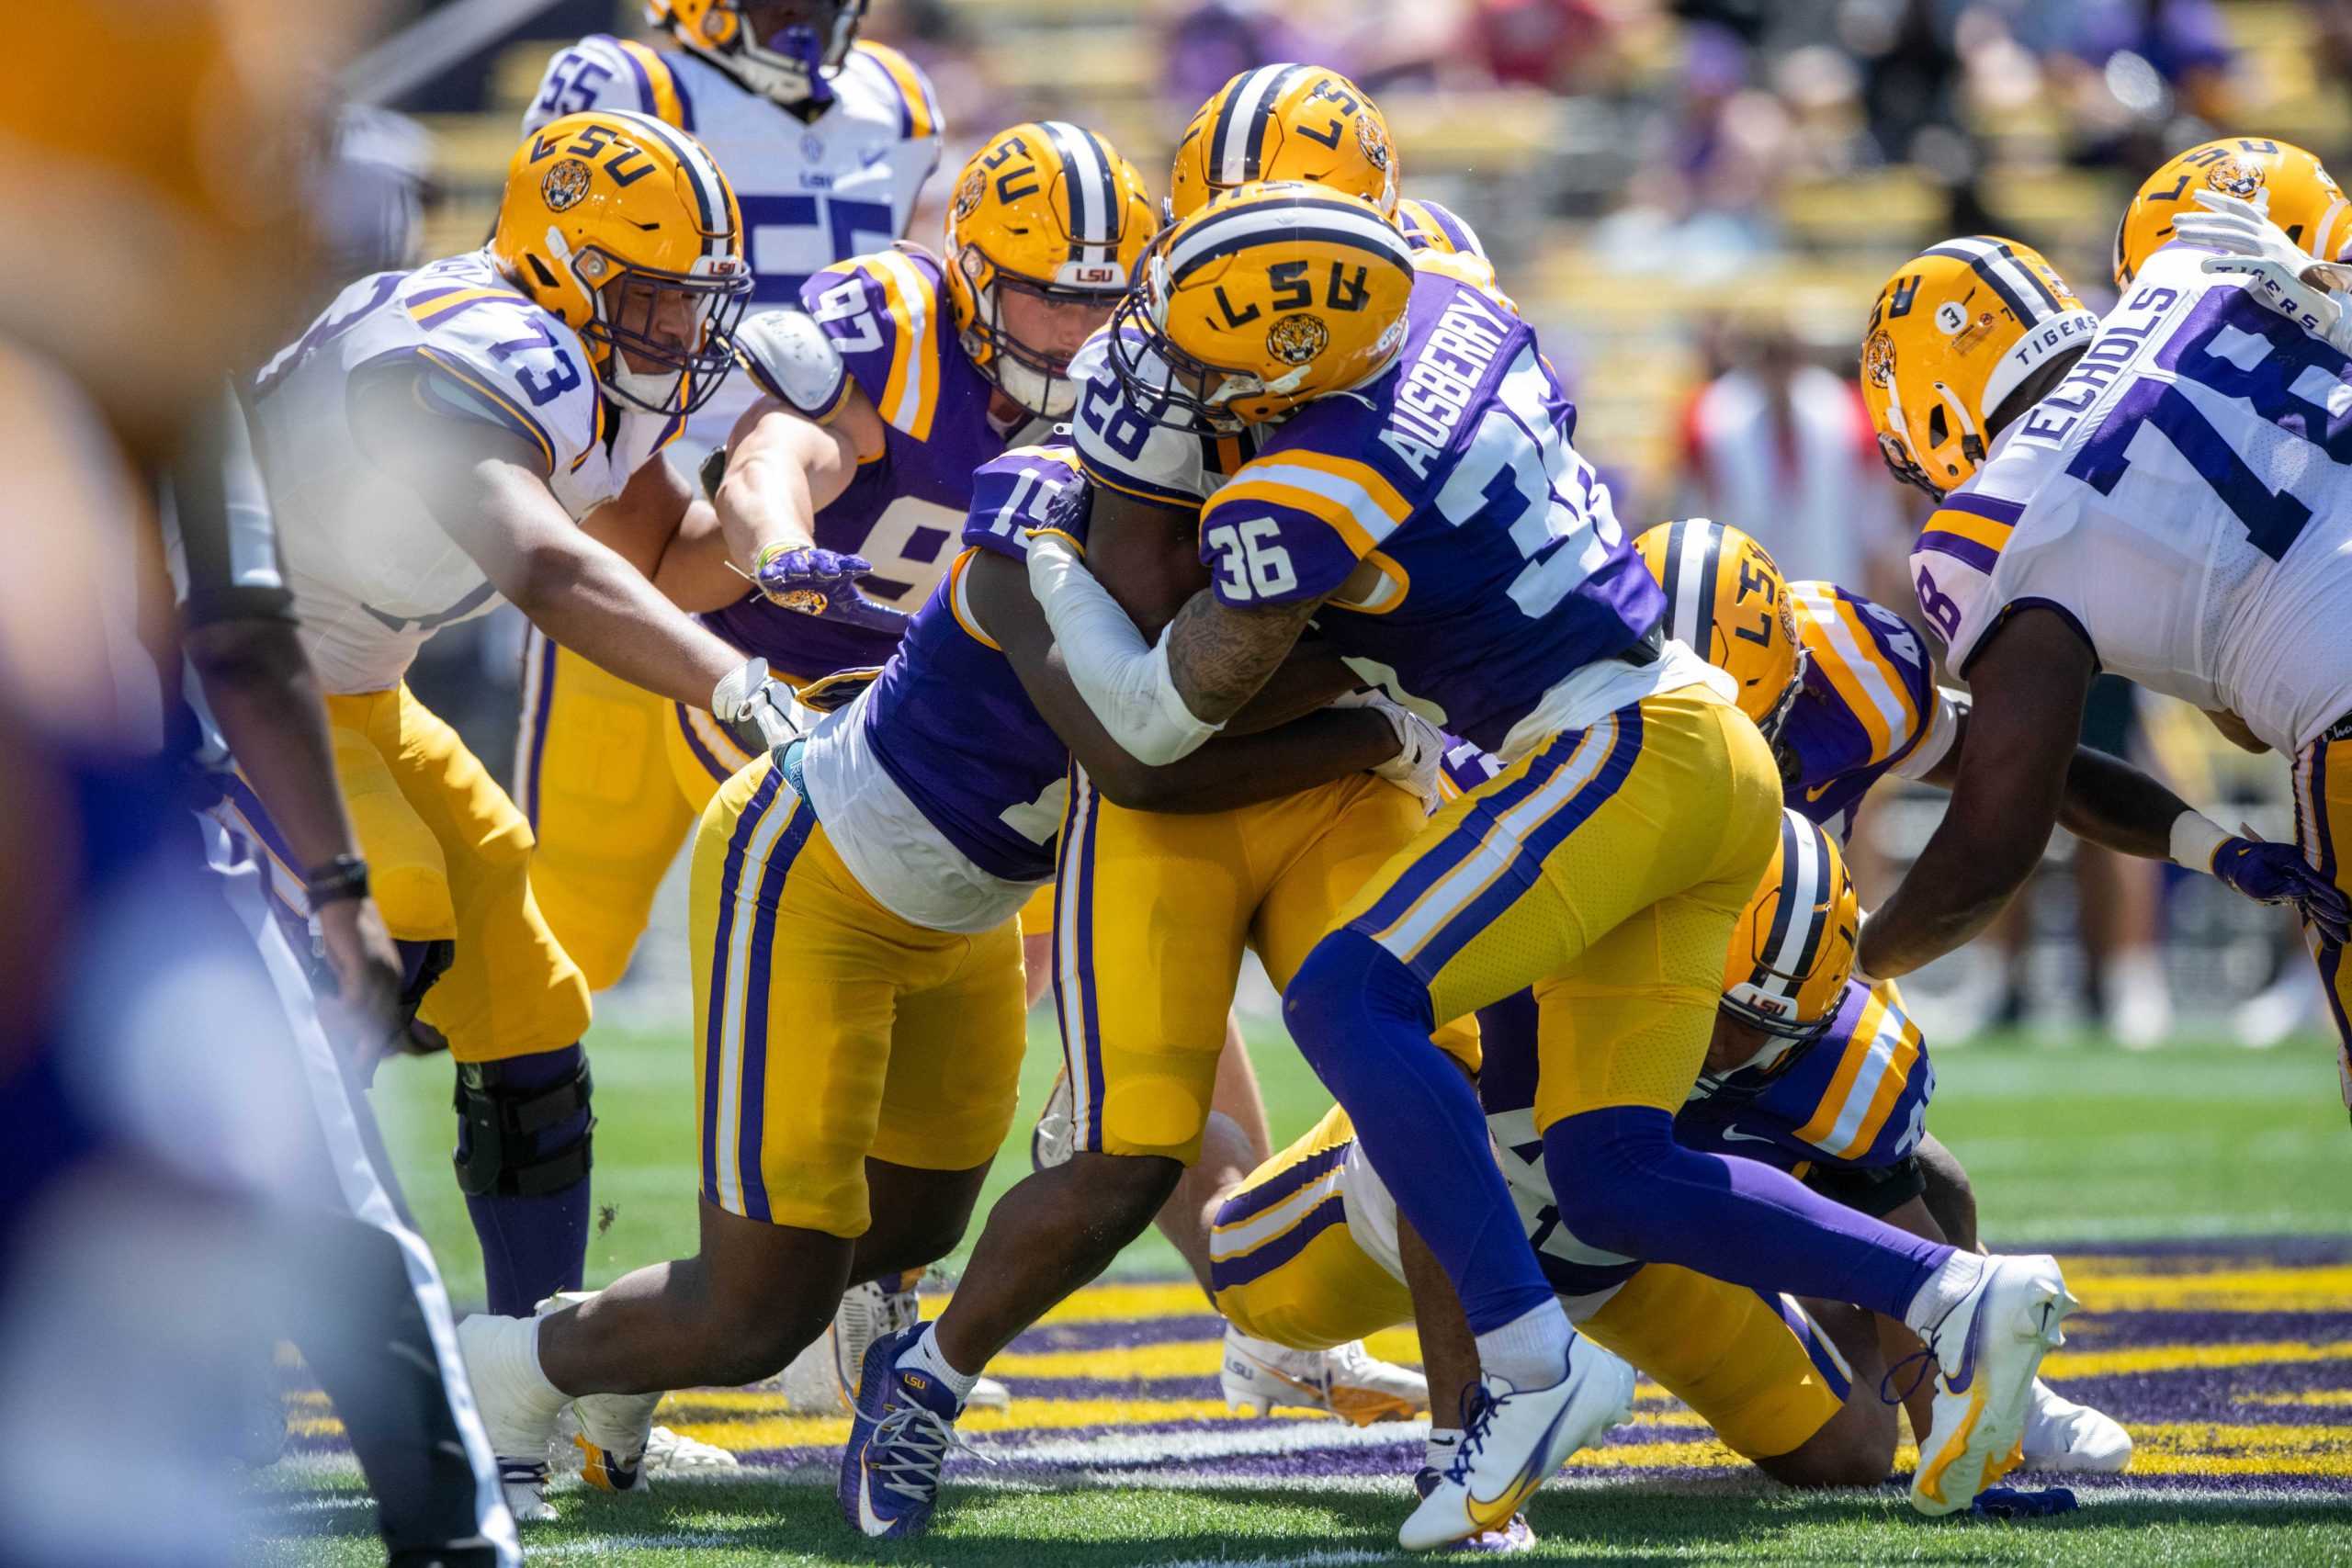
[1126, 681]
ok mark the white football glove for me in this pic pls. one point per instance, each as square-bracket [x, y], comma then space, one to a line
[745, 694]
[1419, 764]
[2282, 275]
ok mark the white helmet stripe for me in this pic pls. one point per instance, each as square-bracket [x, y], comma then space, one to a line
[1800, 890]
[1691, 549]
[1087, 178]
[1219, 230]
[1237, 129]
[709, 185]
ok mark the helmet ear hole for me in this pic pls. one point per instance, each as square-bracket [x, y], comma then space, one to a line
[540, 270]
[1938, 428]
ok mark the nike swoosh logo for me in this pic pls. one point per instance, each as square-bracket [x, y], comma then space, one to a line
[868, 1520]
[1494, 1513]
[1967, 1374]
[1728, 1135]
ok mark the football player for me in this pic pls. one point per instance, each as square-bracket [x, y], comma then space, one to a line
[2158, 495]
[1305, 1251]
[849, 1113]
[1451, 546]
[488, 426]
[828, 140]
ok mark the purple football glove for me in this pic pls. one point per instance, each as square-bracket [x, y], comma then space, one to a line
[2277, 873]
[824, 583]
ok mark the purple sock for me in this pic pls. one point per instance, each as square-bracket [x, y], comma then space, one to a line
[1363, 1023]
[1623, 1184]
[531, 1217]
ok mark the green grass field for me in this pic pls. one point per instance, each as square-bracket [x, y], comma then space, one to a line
[2233, 1377]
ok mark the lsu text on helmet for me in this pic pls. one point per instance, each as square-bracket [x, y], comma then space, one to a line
[1727, 598]
[1285, 122]
[1266, 299]
[1793, 951]
[1956, 335]
[1048, 214]
[625, 228]
[783, 49]
[2282, 180]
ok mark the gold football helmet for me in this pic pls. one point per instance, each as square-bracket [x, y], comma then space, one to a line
[1266, 299]
[625, 228]
[1793, 951]
[1956, 333]
[783, 49]
[1285, 122]
[1725, 598]
[1050, 212]
[2288, 183]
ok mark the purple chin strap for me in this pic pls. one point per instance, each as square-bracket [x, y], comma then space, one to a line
[802, 42]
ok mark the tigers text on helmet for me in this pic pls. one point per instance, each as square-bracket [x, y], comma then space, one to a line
[1265, 299]
[1793, 951]
[1727, 598]
[625, 229]
[1285, 122]
[1048, 211]
[2288, 183]
[783, 49]
[1957, 331]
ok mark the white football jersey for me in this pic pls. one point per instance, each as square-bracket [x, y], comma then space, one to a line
[839, 186]
[372, 573]
[2184, 497]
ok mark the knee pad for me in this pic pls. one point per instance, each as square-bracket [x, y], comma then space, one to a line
[1347, 981]
[523, 1125]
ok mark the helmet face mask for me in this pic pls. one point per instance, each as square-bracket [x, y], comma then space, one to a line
[666, 341]
[1162, 383]
[783, 50]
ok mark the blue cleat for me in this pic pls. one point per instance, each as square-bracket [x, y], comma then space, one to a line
[899, 1439]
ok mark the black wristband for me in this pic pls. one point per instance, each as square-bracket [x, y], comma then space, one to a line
[346, 876]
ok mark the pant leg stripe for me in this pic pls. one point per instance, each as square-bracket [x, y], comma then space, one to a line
[703, 756]
[539, 702]
[713, 1064]
[1256, 1265]
[1259, 1197]
[1071, 871]
[759, 985]
[1817, 1349]
[1406, 892]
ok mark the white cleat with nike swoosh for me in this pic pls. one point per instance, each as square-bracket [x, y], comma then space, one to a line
[1987, 1351]
[1259, 1376]
[1514, 1440]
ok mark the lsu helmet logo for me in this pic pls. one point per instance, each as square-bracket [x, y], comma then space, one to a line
[1878, 358]
[968, 199]
[2235, 176]
[565, 184]
[1297, 339]
[1372, 138]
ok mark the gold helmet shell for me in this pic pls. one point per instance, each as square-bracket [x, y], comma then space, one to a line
[1725, 598]
[1264, 300]
[1285, 122]
[1957, 330]
[1793, 951]
[608, 217]
[2290, 185]
[1050, 209]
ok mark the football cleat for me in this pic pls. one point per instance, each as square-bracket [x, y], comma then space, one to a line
[1513, 1441]
[899, 1441]
[881, 1307]
[2062, 1435]
[1516, 1535]
[1987, 1349]
[1347, 1382]
[517, 1415]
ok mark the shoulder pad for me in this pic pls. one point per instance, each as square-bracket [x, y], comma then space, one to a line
[1030, 487]
[793, 360]
[603, 72]
[899, 83]
[1429, 226]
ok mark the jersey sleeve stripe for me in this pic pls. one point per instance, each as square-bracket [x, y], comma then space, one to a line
[1361, 484]
[1142, 489]
[1886, 1068]
[960, 605]
[657, 93]
[431, 311]
[520, 422]
[1328, 501]
[1875, 692]
[911, 390]
[1818, 1129]
[917, 111]
[1990, 506]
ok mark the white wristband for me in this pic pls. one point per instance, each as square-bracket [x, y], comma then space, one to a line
[2195, 838]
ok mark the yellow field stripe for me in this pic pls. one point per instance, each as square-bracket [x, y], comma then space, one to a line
[2188, 1358]
[2322, 1288]
[2309, 1397]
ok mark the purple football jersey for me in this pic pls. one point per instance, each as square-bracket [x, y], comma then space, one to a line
[889, 319]
[1870, 698]
[948, 719]
[1470, 560]
[1855, 1095]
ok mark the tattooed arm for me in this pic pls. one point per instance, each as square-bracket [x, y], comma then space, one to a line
[1221, 654]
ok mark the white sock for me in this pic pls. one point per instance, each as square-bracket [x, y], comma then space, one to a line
[512, 1356]
[1945, 1289]
[1531, 1351]
[924, 1355]
[1444, 1443]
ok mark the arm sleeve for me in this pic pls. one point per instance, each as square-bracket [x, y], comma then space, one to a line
[226, 536]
